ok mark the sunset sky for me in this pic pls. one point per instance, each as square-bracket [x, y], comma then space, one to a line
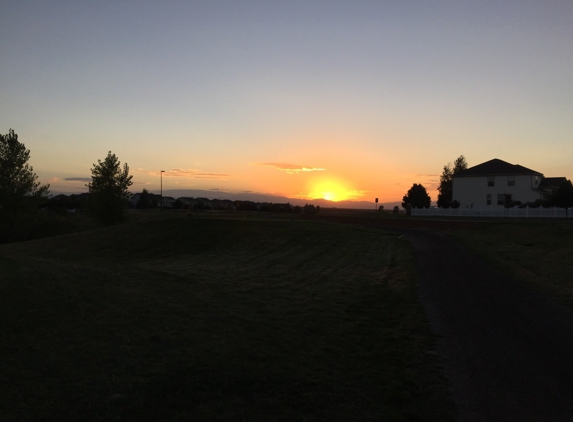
[304, 99]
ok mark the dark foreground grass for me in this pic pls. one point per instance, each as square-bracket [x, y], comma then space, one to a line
[539, 253]
[215, 319]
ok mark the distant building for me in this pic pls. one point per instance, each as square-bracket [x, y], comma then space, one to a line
[168, 201]
[147, 200]
[496, 183]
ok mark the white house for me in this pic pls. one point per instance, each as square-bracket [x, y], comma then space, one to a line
[496, 182]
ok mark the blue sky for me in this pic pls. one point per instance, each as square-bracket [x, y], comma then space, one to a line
[372, 95]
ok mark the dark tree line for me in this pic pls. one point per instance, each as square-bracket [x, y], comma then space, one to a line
[68, 202]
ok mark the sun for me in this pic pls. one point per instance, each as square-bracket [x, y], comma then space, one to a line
[331, 196]
[331, 190]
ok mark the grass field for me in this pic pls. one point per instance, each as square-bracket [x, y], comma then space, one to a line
[216, 319]
[539, 253]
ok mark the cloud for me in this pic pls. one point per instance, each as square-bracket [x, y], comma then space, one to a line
[430, 181]
[355, 194]
[70, 179]
[188, 173]
[78, 179]
[289, 168]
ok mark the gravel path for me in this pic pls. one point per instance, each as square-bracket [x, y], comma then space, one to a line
[506, 349]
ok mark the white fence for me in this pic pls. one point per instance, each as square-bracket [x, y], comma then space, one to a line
[514, 212]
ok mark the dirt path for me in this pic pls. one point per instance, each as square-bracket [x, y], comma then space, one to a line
[506, 349]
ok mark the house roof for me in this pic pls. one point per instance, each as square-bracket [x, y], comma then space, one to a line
[496, 167]
[552, 182]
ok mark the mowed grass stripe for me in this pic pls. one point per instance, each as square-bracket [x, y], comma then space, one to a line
[209, 319]
[533, 251]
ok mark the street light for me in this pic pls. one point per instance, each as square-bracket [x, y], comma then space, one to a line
[161, 178]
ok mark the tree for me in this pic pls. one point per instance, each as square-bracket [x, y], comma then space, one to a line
[417, 197]
[145, 200]
[446, 185]
[310, 209]
[562, 196]
[108, 189]
[19, 190]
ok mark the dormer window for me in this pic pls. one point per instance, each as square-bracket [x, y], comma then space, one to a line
[491, 181]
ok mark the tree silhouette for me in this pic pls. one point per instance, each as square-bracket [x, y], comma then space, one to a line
[563, 196]
[417, 197]
[19, 191]
[108, 190]
[446, 185]
[145, 200]
[310, 209]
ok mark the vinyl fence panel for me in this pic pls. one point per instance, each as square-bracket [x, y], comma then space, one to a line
[515, 212]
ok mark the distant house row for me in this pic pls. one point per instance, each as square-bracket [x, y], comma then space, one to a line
[150, 200]
[497, 183]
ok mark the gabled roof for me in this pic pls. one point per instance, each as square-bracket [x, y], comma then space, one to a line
[552, 182]
[496, 167]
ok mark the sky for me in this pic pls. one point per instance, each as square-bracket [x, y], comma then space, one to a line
[304, 99]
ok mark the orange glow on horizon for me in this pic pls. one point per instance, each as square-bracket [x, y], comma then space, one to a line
[333, 190]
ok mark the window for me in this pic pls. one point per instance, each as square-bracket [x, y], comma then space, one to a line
[500, 199]
[491, 181]
[488, 199]
[510, 180]
[536, 179]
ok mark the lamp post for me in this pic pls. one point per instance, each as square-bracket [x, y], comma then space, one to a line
[161, 178]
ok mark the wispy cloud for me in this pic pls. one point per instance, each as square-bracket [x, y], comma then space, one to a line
[429, 181]
[356, 194]
[70, 179]
[187, 173]
[78, 179]
[290, 168]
